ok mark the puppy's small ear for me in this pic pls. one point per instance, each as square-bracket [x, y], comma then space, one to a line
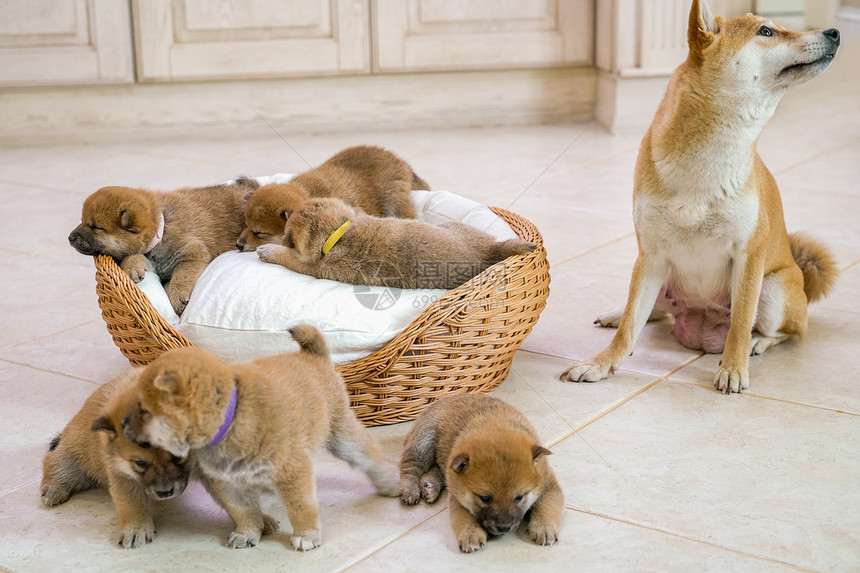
[460, 463]
[166, 382]
[126, 219]
[285, 215]
[104, 425]
[538, 452]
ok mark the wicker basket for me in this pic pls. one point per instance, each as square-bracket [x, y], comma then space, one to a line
[463, 342]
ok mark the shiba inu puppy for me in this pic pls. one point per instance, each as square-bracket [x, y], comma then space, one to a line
[254, 426]
[328, 239]
[370, 179]
[92, 452]
[489, 456]
[713, 248]
[178, 232]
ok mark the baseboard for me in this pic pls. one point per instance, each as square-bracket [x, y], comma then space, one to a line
[377, 102]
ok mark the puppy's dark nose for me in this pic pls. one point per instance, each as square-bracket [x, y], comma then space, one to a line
[240, 244]
[165, 493]
[503, 528]
[833, 34]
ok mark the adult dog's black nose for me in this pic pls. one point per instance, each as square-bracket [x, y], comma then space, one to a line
[833, 34]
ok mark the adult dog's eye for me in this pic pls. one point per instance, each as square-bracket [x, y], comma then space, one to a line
[142, 464]
[765, 31]
[488, 499]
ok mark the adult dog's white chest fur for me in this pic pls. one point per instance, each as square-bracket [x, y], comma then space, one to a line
[699, 221]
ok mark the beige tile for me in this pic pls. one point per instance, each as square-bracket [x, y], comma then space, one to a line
[34, 406]
[760, 477]
[587, 543]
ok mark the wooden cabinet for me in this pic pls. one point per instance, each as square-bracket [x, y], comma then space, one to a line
[45, 42]
[413, 35]
[241, 39]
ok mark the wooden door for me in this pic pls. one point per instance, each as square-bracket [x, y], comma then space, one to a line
[411, 35]
[45, 42]
[241, 39]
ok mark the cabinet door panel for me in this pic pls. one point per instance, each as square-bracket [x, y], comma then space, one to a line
[44, 42]
[236, 39]
[451, 34]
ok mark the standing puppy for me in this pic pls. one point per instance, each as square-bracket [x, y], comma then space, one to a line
[179, 232]
[371, 179]
[488, 455]
[707, 211]
[254, 426]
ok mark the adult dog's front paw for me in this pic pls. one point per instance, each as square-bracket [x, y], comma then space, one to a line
[588, 371]
[732, 379]
[307, 541]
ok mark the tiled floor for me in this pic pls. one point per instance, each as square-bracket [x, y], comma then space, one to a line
[660, 472]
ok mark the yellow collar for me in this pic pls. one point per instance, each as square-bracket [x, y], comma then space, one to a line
[335, 237]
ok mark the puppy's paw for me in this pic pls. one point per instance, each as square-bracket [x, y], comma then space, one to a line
[307, 541]
[239, 540]
[387, 485]
[430, 490]
[732, 379]
[588, 371]
[135, 267]
[271, 253]
[137, 535]
[410, 494]
[471, 539]
[543, 533]
[270, 524]
[55, 494]
[610, 319]
[178, 301]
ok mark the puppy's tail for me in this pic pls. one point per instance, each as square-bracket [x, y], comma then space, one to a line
[816, 262]
[504, 249]
[310, 339]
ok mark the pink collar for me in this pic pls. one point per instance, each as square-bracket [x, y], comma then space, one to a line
[158, 234]
[228, 419]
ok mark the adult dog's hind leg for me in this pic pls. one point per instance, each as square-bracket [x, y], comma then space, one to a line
[781, 310]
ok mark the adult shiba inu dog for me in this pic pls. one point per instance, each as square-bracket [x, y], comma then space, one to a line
[369, 178]
[713, 248]
[92, 452]
[489, 456]
[254, 427]
[179, 232]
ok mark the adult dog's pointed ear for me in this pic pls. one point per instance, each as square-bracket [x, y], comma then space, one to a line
[702, 28]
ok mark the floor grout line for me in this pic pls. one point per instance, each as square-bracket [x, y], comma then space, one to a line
[592, 249]
[686, 537]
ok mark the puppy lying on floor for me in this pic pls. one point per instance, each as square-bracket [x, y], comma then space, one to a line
[179, 232]
[328, 239]
[255, 425]
[488, 455]
[370, 179]
[93, 452]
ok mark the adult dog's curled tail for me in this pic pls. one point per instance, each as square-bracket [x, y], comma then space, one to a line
[816, 262]
[310, 339]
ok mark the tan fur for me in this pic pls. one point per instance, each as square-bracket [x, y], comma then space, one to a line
[287, 407]
[489, 456]
[707, 211]
[370, 179]
[199, 224]
[385, 252]
[91, 453]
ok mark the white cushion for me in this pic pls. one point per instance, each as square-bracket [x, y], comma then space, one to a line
[241, 308]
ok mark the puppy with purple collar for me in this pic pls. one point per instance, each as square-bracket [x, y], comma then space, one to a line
[254, 426]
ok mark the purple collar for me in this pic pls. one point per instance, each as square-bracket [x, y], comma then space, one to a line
[228, 419]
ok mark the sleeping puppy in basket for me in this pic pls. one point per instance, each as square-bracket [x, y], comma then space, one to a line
[328, 239]
[489, 456]
[254, 426]
[93, 452]
[370, 179]
[178, 232]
